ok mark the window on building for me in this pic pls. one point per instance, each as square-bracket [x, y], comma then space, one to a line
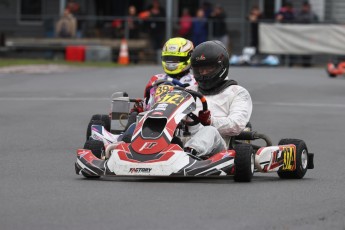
[30, 10]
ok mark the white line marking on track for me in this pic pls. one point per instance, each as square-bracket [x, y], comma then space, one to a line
[321, 105]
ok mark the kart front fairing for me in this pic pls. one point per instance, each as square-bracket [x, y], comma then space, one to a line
[151, 152]
[156, 129]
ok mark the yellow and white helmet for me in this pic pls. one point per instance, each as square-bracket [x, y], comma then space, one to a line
[176, 55]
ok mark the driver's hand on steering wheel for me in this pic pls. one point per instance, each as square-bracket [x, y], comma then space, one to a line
[205, 117]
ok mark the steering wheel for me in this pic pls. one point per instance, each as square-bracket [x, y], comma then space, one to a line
[203, 102]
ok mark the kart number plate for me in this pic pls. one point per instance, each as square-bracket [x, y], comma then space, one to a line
[289, 160]
[163, 89]
[175, 99]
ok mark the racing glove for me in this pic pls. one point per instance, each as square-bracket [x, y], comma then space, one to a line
[138, 106]
[205, 117]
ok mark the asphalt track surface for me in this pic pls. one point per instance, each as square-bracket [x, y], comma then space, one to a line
[43, 118]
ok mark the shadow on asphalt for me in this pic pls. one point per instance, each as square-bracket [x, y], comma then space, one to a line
[202, 180]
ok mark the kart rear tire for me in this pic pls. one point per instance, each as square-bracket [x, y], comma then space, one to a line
[301, 159]
[244, 162]
[98, 119]
[96, 147]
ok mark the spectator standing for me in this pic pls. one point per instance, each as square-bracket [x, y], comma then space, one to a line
[133, 22]
[306, 16]
[286, 14]
[185, 25]
[207, 7]
[66, 25]
[74, 8]
[199, 28]
[219, 26]
[254, 17]
[156, 24]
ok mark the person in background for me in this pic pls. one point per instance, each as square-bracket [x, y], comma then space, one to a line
[156, 24]
[66, 25]
[133, 22]
[207, 8]
[75, 9]
[306, 16]
[254, 17]
[286, 14]
[219, 26]
[199, 27]
[185, 24]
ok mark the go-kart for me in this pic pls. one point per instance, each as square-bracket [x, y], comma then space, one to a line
[155, 147]
[334, 69]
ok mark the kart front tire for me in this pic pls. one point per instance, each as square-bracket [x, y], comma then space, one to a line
[96, 147]
[98, 119]
[301, 159]
[244, 162]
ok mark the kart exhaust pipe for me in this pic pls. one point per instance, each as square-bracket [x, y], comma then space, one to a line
[252, 135]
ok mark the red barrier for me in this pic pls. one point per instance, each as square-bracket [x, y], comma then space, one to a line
[75, 53]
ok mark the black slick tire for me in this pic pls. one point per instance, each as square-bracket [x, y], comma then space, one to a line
[96, 147]
[301, 159]
[244, 163]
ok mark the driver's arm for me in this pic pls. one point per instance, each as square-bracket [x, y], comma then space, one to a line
[240, 110]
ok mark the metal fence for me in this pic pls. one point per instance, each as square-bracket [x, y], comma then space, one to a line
[97, 27]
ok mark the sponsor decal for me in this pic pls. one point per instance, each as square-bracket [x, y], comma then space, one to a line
[161, 107]
[163, 89]
[175, 99]
[148, 145]
[201, 58]
[96, 137]
[289, 160]
[157, 113]
[140, 170]
[172, 48]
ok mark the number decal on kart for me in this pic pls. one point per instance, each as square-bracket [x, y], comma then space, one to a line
[289, 161]
[171, 99]
[163, 89]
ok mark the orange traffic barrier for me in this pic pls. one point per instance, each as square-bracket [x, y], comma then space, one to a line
[123, 56]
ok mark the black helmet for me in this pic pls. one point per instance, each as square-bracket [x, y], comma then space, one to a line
[210, 63]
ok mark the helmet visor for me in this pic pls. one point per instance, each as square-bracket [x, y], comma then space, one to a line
[207, 71]
[175, 59]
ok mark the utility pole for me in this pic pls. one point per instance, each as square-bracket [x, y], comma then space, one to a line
[168, 22]
[62, 6]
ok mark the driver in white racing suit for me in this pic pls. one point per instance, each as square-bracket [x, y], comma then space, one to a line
[229, 105]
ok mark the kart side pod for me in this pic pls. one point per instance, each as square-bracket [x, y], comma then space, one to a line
[282, 158]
